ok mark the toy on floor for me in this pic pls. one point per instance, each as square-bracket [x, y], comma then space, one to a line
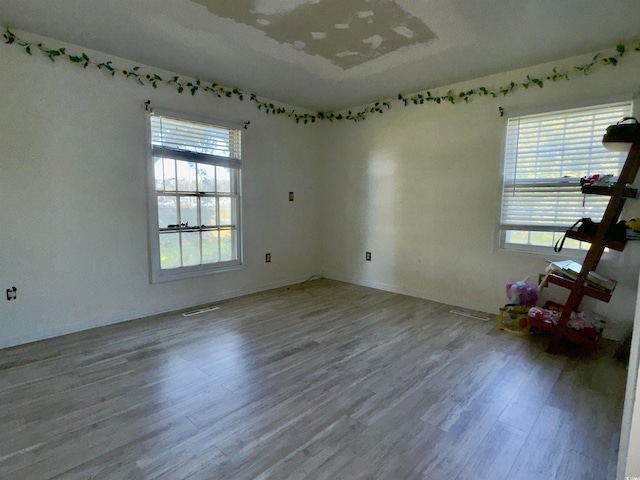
[514, 319]
[522, 293]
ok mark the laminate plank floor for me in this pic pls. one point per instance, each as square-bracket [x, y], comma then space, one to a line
[323, 380]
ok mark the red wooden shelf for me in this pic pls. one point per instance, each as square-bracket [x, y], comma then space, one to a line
[596, 293]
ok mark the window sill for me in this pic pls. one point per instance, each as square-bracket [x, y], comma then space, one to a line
[546, 252]
[185, 273]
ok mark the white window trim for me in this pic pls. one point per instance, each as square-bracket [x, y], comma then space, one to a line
[500, 235]
[157, 274]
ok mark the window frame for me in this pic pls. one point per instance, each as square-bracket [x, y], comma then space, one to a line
[572, 247]
[156, 273]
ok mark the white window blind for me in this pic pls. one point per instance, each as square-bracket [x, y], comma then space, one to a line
[187, 140]
[545, 157]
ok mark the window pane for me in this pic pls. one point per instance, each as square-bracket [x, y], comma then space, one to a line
[190, 249]
[210, 247]
[517, 236]
[224, 179]
[186, 176]
[206, 178]
[575, 244]
[167, 211]
[158, 173]
[169, 167]
[227, 245]
[169, 250]
[189, 211]
[208, 211]
[541, 239]
[226, 213]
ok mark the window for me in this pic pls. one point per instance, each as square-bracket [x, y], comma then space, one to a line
[545, 157]
[195, 197]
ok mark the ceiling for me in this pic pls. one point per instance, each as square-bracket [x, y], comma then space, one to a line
[332, 54]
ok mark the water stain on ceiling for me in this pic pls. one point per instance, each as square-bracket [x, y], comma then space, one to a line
[345, 33]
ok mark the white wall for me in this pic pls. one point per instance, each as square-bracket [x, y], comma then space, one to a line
[629, 460]
[73, 234]
[418, 186]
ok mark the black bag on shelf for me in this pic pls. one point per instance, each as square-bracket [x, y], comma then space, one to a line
[588, 226]
[617, 232]
[624, 131]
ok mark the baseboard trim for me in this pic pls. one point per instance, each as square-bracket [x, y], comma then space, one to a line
[136, 315]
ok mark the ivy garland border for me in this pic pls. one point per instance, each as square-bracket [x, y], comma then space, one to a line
[194, 86]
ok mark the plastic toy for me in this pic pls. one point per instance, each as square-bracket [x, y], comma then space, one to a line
[514, 319]
[522, 293]
[597, 179]
[634, 224]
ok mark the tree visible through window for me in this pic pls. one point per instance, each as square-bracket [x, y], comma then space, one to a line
[545, 157]
[196, 197]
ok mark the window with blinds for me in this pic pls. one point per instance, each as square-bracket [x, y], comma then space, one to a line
[196, 195]
[545, 157]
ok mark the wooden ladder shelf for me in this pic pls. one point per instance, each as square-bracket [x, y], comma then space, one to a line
[599, 241]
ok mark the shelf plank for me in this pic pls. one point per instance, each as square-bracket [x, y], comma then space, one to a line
[602, 190]
[596, 293]
[583, 237]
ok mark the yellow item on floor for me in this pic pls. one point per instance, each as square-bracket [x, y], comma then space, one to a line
[514, 319]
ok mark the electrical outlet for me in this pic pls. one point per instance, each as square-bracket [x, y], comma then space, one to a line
[367, 256]
[267, 258]
[12, 293]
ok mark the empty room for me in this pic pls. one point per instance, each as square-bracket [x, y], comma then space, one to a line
[319, 239]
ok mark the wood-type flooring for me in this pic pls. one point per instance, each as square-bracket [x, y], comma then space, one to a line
[323, 380]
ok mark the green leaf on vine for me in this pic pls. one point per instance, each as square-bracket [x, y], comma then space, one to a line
[269, 108]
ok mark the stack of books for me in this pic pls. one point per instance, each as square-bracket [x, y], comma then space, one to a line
[571, 269]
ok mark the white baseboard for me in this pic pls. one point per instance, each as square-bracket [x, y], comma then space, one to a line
[141, 314]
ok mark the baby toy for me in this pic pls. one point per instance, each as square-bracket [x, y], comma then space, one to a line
[522, 293]
[514, 316]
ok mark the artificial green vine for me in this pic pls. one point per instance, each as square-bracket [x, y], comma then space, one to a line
[195, 86]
